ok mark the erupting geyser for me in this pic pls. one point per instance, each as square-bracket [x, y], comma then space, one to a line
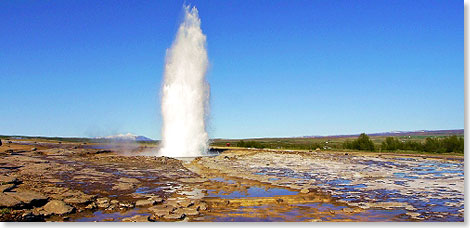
[185, 92]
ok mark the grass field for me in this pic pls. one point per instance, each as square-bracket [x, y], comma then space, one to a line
[299, 143]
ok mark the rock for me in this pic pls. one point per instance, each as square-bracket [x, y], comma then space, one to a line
[304, 191]
[9, 201]
[314, 220]
[414, 215]
[190, 211]
[202, 206]
[123, 186]
[115, 202]
[34, 149]
[179, 202]
[128, 180]
[389, 205]
[58, 207]
[137, 218]
[29, 216]
[186, 203]
[102, 202]
[29, 197]
[8, 180]
[348, 210]
[144, 203]
[126, 205]
[156, 199]
[158, 212]
[175, 215]
[193, 180]
[91, 206]
[6, 187]
[111, 207]
[80, 199]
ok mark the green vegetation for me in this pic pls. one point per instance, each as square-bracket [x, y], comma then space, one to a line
[405, 143]
[452, 144]
[4, 211]
[278, 145]
[436, 142]
[363, 142]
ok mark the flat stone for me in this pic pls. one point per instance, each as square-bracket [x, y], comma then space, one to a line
[102, 202]
[123, 186]
[58, 207]
[202, 206]
[156, 199]
[29, 216]
[413, 215]
[91, 206]
[126, 205]
[175, 215]
[9, 201]
[128, 180]
[81, 199]
[6, 187]
[28, 197]
[193, 180]
[39, 211]
[190, 211]
[304, 191]
[8, 180]
[159, 212]
[162, 207]
[185, 202]
[144, 203]
[314, 220]
[137, 218]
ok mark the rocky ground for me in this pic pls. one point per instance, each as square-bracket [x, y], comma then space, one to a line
[58, 181]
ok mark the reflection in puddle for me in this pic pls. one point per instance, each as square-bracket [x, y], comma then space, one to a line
[220, 179]
[251, 192]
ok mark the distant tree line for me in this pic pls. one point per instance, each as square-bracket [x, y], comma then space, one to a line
[249, 144]
[254, 144]
[450, 144]
[363, 142]
[433, 145]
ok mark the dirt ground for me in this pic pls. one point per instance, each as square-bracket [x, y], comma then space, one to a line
[62, 181]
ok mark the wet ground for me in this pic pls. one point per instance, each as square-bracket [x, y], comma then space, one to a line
[100, 183]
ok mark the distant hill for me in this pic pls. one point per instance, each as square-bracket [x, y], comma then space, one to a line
[400, 133]
[126, 137]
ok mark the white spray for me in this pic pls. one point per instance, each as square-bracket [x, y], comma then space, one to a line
[185, 92]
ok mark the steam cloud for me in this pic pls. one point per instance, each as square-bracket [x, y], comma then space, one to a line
[185, 91]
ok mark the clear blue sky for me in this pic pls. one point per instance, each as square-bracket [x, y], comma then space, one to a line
[277, 68]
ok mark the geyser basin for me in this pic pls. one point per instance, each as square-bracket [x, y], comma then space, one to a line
[185, 92]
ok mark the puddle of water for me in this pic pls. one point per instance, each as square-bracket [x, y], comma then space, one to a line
[252, 192]
[101, 215]
[220, 179]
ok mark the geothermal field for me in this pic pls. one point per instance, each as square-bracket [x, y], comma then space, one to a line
[51, 180]
[188, 174]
